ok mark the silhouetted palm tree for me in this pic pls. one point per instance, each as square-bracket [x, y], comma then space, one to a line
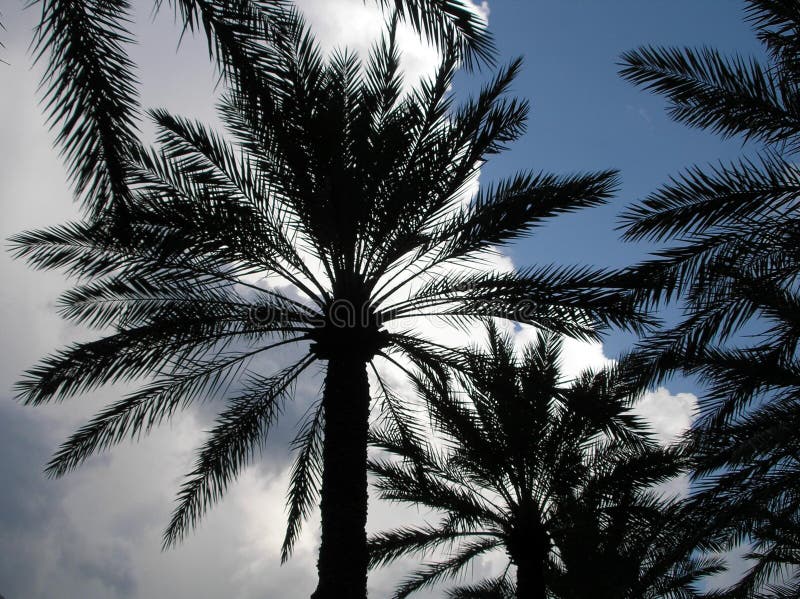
[350, 193]
[90, 85]
[751, 457]
[738, 264]
[620, 540]
[556, 475]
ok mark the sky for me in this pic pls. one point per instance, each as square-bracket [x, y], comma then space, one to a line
[96, 533]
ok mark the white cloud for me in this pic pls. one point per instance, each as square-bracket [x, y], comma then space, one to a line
[482, 10]
[357, 25]
[669, 414]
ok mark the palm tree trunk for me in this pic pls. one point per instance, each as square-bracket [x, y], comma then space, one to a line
[342, 563]
[530, 579]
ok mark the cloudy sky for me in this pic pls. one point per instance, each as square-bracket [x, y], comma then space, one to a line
[96, 534]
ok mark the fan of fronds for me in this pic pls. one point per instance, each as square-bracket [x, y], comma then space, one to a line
[555, 474]
[90, 85]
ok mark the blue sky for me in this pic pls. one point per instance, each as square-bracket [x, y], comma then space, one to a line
[585, 117]
[96, 533]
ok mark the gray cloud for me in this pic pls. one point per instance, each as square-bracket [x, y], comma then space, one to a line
[41, 542]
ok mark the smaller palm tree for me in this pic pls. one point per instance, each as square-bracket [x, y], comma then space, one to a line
[556, 475]
[617, 539]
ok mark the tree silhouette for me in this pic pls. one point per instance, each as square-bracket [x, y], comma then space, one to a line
[621, 540]
[556, 475]
[90, 85]
[737, 266]
[350, 193]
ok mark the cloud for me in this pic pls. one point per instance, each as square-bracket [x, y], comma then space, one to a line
[357, 25]
[43, 545]
[669, 414]
[482, 10]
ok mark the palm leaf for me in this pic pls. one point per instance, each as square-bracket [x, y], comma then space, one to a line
[90, 94]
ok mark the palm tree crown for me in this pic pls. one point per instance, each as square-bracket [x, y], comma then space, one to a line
[556, 475]
[347, 191]
[91, 89]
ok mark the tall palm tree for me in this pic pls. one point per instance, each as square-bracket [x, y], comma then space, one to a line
[736, 265]
[90, 85]
[348, 192]
[555, 475]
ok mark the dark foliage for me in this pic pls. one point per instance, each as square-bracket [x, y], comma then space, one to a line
[349, 192]
[736, 270]
[90, 87]
[556, 474]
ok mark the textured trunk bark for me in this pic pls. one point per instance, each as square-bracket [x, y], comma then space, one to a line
[342, 563]
[530, 579]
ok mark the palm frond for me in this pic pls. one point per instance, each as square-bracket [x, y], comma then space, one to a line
[444, 20]
[237, 32]
[388, 546]
[305, 477]
[90, 94]
[432, 573]
[571, 300]
[735, 195]
[139, 412]
[239, 431]
[707, 90]
[2, 45]
[499, 587]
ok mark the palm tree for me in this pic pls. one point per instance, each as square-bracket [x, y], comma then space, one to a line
[619, 540]
[556, 475]
[748, 462]
[737, 266]
[90, 86]
[350, 194]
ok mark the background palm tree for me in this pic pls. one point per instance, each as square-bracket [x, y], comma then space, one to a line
[349, 193]
[748, 462]
[90, 85]
[737, 266]
[620, 539]
[556, 475]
